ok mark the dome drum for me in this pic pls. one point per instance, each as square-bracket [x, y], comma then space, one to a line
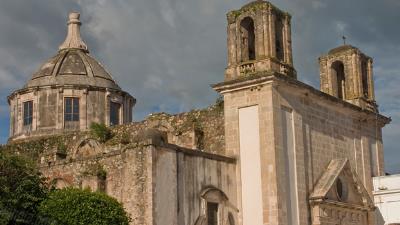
[49, 110]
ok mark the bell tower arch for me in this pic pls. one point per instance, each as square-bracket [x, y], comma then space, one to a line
[259, 40]
[346, 73]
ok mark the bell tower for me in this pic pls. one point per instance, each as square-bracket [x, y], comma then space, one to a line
[259, 40]
[346, 73]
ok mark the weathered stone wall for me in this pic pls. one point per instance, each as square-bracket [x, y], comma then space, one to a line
[202, 129]
[127, 172]
[325, 130]
[183, 177]
[330, 215]
[132, 169]
[260, 96]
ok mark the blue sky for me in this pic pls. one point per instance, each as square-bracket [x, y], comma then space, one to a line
[167, 52]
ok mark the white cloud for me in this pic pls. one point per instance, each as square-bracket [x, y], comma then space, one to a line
[167, 12]
[318, 4]
[340, 26]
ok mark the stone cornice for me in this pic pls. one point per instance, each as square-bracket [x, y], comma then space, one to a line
[264, 77]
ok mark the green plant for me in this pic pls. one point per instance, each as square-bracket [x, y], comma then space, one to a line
[62, 150]
[101, 173]
[22, 189]
[72, 206]
[100, 131]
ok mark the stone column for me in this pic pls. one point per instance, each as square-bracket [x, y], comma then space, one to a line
[18, 114]
[35, 111]
[107, 108]
[324, 75]
[272, 35]
[357, 77]
[265, 18]
[371, 90]
[231, 44]
[355, 90]
[12, 113]
[259, 34]
[83, 110]
[332, 80]
[238, 37]
[288, 41]
[60, 109]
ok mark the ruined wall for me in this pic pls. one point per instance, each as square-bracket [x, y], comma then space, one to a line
[182, 179]
[198, 129]
[124, 173]
[130, 167]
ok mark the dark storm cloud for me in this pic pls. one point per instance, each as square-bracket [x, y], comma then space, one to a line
[167, 52]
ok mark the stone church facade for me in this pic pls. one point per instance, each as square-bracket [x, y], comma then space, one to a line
[275, 151]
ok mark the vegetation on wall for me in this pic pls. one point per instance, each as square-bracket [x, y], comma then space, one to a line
[125, 138]
[72, 206]
[62, 150]
[100, 131]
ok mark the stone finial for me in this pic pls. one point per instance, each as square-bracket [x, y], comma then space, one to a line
[73, 39]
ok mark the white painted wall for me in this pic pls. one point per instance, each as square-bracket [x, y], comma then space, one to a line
[387, 198]
[250, 166]
[290, 166]
[374, 157]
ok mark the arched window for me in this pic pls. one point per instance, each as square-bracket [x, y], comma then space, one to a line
[280, 53]
[364, 78]
[71, 113]
[339, 76]
[212, 213]
[115, 111]
[247, 39]
[213, 201]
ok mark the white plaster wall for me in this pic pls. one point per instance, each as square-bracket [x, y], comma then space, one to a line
[290, 166]
[250, 166]
[387, 199]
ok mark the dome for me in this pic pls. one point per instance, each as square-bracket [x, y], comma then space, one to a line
[69, 92]
[72, 65]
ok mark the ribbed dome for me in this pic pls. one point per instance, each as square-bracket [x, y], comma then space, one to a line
[72, 65]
